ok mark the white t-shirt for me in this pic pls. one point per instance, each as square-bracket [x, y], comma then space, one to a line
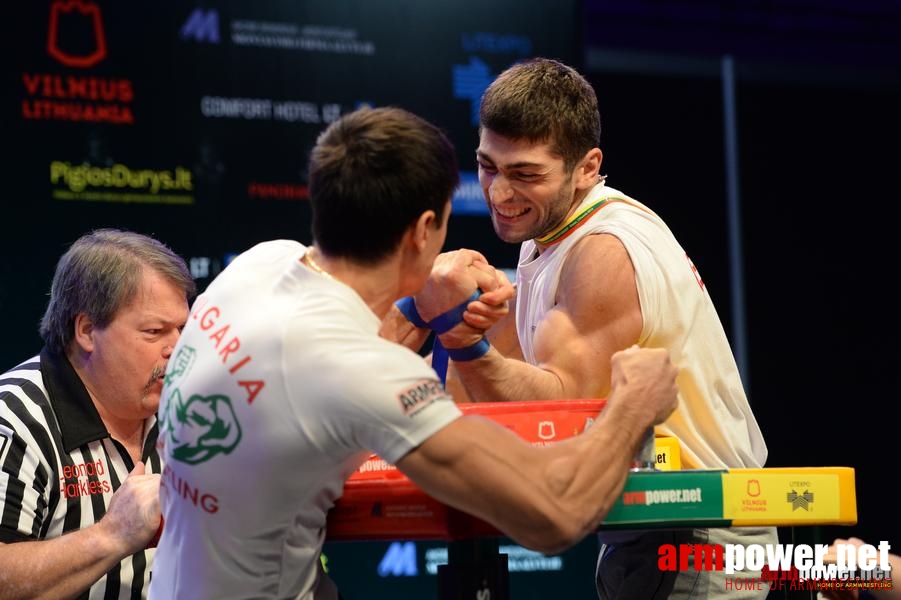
[714, 422]
[278, 389]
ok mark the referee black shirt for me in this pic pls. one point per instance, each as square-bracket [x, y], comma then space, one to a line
[59, 467]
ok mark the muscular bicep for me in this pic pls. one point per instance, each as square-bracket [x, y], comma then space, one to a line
[597, 313]
[503, 334]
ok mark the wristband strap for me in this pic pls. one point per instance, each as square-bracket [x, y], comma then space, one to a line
[450, 319]
[477, 350]
[408, 308]
[439, 360]
[440, 354]
[440, 324]
[443, 322]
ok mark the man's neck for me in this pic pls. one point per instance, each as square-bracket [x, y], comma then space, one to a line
[378, 285]
[128, 432]
[577, 211]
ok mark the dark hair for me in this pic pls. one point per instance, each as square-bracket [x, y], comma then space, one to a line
[99, 274]
[543, 100]
[372, 173]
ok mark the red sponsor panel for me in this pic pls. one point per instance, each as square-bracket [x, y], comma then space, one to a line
[387, 509]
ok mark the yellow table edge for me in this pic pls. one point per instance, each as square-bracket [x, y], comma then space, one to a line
[842, 496]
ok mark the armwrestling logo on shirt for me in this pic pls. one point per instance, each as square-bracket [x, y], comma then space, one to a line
[200, 427]
[420, 395]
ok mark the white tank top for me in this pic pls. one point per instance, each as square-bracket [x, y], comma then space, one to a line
[714, 422]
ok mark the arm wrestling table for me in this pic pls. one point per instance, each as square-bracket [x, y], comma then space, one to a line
[380, 503]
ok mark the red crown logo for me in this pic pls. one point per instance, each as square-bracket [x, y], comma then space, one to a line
[69, 9]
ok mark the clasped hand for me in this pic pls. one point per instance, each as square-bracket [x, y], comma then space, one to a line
[455, 276]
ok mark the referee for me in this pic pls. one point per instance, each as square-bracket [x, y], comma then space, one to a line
[79, 470]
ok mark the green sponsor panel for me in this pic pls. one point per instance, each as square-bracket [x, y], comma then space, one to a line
[669, 498]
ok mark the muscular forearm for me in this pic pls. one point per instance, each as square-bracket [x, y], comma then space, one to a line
[574, 484]
[589, 467]
[545, 498]
[398, 329]
[488, 471]
[62, 567]
[588, 472]
[494, 378]
[570, 494]
[548, 498]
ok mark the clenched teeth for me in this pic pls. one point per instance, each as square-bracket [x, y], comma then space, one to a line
[510, 213]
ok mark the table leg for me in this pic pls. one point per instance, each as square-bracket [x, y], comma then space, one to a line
[475, 570]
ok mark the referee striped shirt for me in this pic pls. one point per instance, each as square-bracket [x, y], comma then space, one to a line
[59, 467]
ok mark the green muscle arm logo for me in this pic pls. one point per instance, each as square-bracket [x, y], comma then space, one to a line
[201, 427]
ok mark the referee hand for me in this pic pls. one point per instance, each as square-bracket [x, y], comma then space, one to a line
[134, 511]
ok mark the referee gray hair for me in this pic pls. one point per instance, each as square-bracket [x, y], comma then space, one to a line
[99, 274]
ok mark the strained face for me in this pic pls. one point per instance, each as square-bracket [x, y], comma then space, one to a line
[527, 188]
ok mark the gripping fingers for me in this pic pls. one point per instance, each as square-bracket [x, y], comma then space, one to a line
[483, 316]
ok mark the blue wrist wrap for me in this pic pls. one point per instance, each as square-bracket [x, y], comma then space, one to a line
[441, 323]
[408, 308]
[447, 321]
[477, 350]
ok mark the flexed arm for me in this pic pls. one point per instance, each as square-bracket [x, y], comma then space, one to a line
[548, 498]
